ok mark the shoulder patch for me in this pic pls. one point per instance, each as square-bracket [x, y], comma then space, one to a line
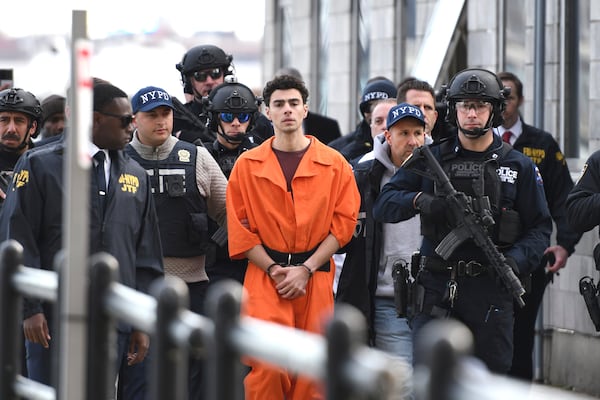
[21, 178]
[538, 177]
[585, 166]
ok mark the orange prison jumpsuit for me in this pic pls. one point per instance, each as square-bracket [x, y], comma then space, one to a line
[325, 200]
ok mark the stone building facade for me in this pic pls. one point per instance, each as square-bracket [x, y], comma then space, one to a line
[339, 44]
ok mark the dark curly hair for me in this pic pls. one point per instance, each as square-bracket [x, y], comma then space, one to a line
[284, 82]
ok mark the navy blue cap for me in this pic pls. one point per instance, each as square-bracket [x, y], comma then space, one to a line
[150, 97]
[404, 110]
[377, 90]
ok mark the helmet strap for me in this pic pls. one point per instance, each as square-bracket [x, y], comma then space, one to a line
[477, 132]
[230, 139]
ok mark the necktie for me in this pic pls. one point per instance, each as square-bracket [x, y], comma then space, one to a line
[506, 136]
[100, 157]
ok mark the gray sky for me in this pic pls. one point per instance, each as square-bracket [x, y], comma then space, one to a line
[245, 17]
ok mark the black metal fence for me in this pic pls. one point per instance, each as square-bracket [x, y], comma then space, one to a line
[221, 338]
[339, 359]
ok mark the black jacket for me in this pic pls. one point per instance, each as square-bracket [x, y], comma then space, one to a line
[323, 128]
[543, 150]
[127, 228]
[358, 279]
[355, 144]
[583, 203]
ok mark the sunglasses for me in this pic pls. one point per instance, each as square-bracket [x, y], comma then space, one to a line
[125, 119]
[215, 73]
[228, 117]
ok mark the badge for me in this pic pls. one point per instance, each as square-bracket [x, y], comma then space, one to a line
[184, 155]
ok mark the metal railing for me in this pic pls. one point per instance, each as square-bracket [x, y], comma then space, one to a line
[347, 368]
[338, 359]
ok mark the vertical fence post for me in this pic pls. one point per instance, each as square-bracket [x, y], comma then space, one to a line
[169, 361]
[438, 349]
[223, 371]
[102, 342]
[11, 257]
[345, 331]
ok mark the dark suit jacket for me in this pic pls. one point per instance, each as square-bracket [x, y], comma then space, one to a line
[323, 128]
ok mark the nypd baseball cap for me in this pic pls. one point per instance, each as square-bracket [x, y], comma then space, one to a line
[404, 110]
[150, 97]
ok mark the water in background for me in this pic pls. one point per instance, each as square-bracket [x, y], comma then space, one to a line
[128, 64]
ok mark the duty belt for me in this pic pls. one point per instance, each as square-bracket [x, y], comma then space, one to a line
[285, 259]
[462, 268]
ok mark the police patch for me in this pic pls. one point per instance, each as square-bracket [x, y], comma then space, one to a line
[21, 178]
[129, 183]
[184, 155]
[507, 175]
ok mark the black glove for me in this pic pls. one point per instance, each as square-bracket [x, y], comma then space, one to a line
[431, 205]
[524, 278]
[513, 265]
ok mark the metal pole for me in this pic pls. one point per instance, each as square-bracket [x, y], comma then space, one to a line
[73, 286]
[538, 103]
[340, 341]
[223, 367]
[11, 257]
[169, 362]
[101, 329]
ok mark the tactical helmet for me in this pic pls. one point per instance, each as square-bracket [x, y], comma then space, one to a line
[476, 83]
[231, 97]
[202, 57]
[19, 100]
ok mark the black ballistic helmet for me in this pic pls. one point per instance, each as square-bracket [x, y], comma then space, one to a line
[202, 57]
[19, 100]
[477, 84]
[231, 97]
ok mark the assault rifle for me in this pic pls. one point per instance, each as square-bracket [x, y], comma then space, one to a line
[471, 225]
[205, 134]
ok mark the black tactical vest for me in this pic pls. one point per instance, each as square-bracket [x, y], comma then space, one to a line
[477, 178]
[181, 210]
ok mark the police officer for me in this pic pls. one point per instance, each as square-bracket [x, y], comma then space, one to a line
[478, 164]
[232, 110]
[543, 150]
[359, 142]
[20, 120]
[53, 116]
[583, 202]
[188, 187]
[122, 223]
[203, 68]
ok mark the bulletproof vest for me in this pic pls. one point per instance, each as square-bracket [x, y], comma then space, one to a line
[478, 179]
[225, 157]
[181, 210]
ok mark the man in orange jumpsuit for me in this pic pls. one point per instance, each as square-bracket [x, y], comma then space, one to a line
[291, 203]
